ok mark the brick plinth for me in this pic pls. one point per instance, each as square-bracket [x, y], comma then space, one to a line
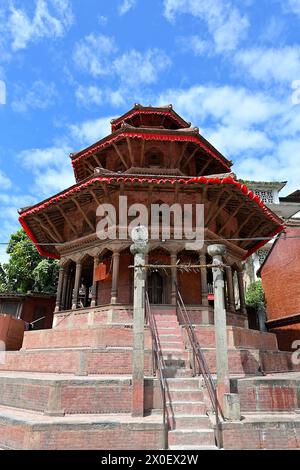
[30, 431]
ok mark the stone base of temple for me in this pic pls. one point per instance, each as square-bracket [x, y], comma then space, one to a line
[71, 388]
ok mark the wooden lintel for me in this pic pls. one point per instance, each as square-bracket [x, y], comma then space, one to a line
[83, 214]
[69, 223]
[119, 153]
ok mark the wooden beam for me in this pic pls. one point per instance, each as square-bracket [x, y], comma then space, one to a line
[190, 157]
[90, 166]
[143, 153]
[253, 233]
[130, 150]
[53, 227]
[213, 207]
[215, 215]
[97, 160]
[236, 233]
[120, 156]
[46, 229]
[205, 167]
[234, 214]
[69, 223]
[83, 214]
[182, 154]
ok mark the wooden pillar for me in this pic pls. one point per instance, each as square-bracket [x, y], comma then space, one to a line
[240, 277]
[115, 277]
[59, 288]
[230, 288]
[138, 249]
[95, 283]
[173, 278]
[76, 285]
[203, 271]
[64, 290]
[223, 386]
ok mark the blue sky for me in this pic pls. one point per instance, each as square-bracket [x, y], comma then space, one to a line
[69, 66]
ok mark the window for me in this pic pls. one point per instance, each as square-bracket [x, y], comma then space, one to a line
[154, 158]
[262, 254]
[10, 308]
[265, 195]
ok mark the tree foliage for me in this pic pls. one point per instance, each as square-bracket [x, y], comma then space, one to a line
[26, 269]
[255, 296]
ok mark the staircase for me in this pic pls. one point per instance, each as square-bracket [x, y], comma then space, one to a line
[190, 426]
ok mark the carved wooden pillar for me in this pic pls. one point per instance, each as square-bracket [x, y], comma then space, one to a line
[115, 277]
[76, 285]
[59, 288]
[95, 283]
[240, 277]
[230, 288]
[204, 288]
[174, 278]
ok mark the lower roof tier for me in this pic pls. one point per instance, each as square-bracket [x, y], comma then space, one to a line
[232, 211]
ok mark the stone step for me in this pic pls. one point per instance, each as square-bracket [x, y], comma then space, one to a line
[187, 447]
[169, 344]
[185, 395]
[24, 430]
[176, 363]
[175, 354]
[191, 421]
[183, 383]
[176, 372]
[187, 407]
[191, 437]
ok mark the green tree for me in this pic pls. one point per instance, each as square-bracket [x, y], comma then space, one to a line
[255, 296]
[26, 269]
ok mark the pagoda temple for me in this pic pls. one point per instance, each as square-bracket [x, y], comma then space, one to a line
[152, 156]
[74, 386]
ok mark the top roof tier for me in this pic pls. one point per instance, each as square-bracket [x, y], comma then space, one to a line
[163, 117]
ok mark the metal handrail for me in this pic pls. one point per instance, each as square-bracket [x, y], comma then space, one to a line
[202, 364]
[159, 366]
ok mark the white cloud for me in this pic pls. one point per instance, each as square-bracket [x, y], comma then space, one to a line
[39, 96]
[51, 18]
[224, 22]
[270, 64]
[89, 95]
[196, 45]
[292, 5]
[93, 54]
[88, 132]
[134, 67]
[5, 182]
[125, 6]
[224, 104]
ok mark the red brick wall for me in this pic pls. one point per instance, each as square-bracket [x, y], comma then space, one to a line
[280, 277]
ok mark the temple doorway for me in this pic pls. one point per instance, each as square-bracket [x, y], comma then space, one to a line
[155, 288]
